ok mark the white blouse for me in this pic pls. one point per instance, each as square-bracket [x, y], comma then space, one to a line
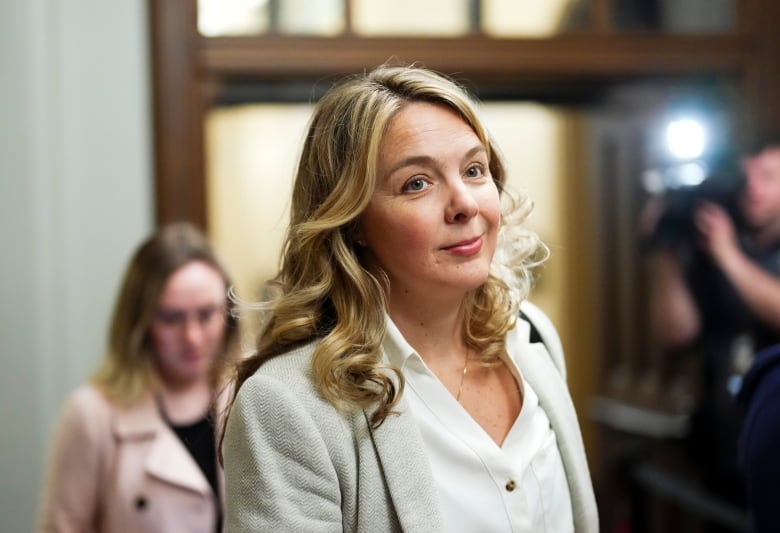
[519, 486]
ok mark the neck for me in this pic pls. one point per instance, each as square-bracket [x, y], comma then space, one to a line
[185, 403]
[436, 334]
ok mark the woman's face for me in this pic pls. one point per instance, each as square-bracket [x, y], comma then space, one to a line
[188, 328]
[433, 221]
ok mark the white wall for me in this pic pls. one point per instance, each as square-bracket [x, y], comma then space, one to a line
[75, 199]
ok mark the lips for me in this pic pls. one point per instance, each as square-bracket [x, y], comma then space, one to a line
[191, 357]
[465, 248]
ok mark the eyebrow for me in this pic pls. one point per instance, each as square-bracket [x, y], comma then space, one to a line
[425, 159]
[162, 310]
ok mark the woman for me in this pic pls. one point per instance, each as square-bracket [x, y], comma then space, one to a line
[135, 448]
[394, 387]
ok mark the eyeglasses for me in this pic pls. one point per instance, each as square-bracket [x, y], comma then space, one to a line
[179, 318]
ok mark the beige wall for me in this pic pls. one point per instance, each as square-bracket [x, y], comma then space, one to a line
[252, 152]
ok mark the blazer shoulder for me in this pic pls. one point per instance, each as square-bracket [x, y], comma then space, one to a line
[547, 332]
[292, 368]
[287, 380]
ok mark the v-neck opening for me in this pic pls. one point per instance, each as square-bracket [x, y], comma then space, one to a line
[443, 406]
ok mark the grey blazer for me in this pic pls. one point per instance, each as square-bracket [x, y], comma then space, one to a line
[293, 462]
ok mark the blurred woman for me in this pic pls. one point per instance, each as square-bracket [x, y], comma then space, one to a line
[395, 386]
[135, 447]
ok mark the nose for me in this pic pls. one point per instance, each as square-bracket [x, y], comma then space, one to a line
[462, 205]
[193, 331]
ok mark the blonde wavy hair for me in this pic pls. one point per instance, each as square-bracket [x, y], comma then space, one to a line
[327, 292]
[127, 372]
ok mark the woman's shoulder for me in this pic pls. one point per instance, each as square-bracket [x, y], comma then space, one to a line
[88, 399]
[286, 378]
[291, 367]
[533, 314]
[548, 334]
[86, 414]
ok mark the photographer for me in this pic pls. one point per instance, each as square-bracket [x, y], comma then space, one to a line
[718, 294]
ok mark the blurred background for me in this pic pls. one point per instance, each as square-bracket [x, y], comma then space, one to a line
[117, 116]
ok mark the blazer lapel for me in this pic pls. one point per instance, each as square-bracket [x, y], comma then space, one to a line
[408, 475]
[170, 461]
[538, 369]
[167, 459]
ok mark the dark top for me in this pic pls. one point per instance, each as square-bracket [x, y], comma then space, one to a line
[759, 446]
[730, 336]
[199, 439]
[724, 313]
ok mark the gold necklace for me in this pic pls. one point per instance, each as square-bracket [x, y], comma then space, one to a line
[463, 376]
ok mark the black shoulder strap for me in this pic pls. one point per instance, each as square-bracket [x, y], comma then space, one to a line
[534, 336]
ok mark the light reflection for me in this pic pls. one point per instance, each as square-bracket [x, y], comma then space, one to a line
[232, 17]
[437, 18]
[529, 18]
[392, 17]
[685, 138]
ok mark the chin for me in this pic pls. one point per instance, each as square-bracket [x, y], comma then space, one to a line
[194, 372]
[473, 282]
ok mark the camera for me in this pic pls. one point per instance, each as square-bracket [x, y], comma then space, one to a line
[680, 198]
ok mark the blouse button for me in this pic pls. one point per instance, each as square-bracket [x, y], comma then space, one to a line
[510, 485]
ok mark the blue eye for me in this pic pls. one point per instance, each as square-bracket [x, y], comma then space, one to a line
[415, 185]
[474, 171]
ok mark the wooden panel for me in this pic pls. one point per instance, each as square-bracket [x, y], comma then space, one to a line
[178, 115]
[766, 66]
[478, 58]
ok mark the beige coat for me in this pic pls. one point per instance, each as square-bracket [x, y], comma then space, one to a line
[121, 470]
